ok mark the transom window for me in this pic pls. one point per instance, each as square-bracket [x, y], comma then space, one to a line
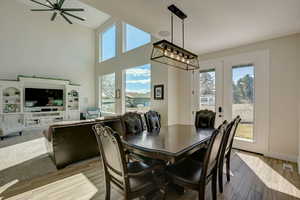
[108, 43]
[135, 37]
[138, 88]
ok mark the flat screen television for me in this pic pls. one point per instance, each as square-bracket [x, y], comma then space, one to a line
[36, 97]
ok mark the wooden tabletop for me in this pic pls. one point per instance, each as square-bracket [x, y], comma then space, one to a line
[171, 143]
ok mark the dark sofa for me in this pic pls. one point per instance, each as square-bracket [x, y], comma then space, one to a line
[70, 142]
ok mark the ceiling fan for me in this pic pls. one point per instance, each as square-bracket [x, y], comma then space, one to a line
[56, 7]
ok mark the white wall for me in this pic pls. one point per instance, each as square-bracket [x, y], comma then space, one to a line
[137, 57]
[30, 44]
[284, 90]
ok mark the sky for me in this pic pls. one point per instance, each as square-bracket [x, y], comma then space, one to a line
[138, 79]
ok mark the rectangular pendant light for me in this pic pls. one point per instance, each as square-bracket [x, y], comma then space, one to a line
[170, 54]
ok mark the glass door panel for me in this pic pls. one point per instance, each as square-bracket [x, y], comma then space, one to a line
[208, 90]
[243, 100]
[108, 88]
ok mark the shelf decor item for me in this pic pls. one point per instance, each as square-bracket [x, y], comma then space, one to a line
[11, 100]
[159, 92]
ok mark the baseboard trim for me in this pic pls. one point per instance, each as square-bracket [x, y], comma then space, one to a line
[280, 156]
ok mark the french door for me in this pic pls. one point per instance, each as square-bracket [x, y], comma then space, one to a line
[237, 85]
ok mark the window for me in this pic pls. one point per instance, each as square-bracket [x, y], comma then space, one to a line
[208, 90]
[108, 89]
[135, 37]
[243, 99]
[138, 88]
[108, 43]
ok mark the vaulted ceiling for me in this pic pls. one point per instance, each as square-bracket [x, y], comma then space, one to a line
[212, 24]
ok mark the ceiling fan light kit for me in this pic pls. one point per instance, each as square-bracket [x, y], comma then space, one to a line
[55, 6]
[170, 54]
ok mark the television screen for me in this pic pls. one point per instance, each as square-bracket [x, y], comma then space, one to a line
[35, 97]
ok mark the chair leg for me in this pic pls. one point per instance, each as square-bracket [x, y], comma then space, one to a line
[107, 190]
[201, 193]
[228, 167]
[220, 175]
[214, 185]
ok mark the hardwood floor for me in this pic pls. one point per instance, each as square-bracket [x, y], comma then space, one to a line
[253, 177]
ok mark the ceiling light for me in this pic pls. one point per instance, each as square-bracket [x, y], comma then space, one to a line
[184, 59]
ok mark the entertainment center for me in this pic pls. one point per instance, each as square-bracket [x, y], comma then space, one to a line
[37, 102]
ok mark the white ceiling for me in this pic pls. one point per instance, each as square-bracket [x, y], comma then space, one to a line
[212, 24]
[94, 18]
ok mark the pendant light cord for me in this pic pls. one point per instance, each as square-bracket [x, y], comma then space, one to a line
[172, 27]
[183, 33]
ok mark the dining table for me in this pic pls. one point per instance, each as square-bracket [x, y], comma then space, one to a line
[169, 143]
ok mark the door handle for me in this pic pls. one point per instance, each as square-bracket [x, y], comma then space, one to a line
[220, 109]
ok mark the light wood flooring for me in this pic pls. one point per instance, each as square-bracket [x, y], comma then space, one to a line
[253, 177]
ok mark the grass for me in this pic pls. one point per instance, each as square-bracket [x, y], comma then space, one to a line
[245, 131]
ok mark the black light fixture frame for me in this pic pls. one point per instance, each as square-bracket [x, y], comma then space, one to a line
[168, 53]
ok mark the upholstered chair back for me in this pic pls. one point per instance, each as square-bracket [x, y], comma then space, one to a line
[152, 120]
[233, 130]
[213, 151]
[133, 123]
[112, 153]
[205, 119]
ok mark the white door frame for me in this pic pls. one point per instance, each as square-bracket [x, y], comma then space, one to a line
[260, 59]
[218, 67]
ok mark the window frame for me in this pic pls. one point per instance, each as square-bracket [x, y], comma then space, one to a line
[101, 42]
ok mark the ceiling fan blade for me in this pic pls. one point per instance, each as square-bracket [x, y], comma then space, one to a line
[74, 16]
[41, 3]
[50, 3]
[72, 9]
[62, 14]
[61, 3]
[42, 9]
[53, 16]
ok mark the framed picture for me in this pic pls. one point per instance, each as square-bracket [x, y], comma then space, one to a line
[159, 92]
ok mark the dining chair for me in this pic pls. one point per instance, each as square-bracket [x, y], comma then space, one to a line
[205, 119]
[133, 123]
[152, 119]
[195, 175]
[226, 150]
[135, 179]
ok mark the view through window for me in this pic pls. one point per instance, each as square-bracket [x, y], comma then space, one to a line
[108, 43]
[243, 99]
[108, 88]
[138, 88]
[208, 90]
[135, 37]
